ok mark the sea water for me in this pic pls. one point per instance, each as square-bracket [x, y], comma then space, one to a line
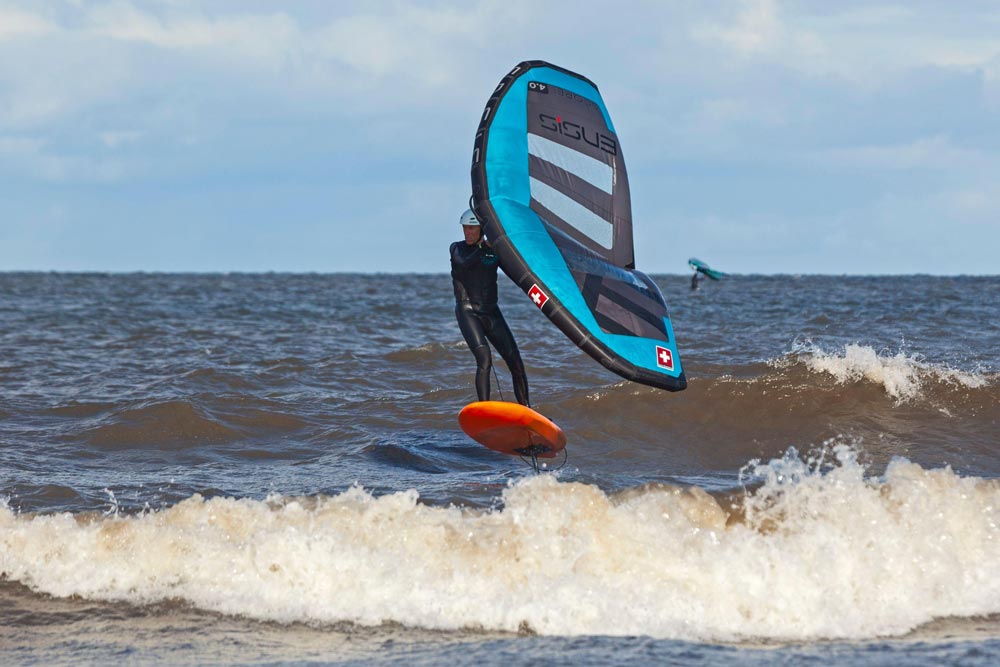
[233, 469]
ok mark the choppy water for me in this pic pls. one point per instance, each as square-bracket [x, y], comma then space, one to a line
[268, 468]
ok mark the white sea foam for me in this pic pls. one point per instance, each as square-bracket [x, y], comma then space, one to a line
[901, 375]
[824, 551]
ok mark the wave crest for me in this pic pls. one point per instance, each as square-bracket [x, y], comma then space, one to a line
[901, 375]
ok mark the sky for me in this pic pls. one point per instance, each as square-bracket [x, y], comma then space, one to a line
[762, 136]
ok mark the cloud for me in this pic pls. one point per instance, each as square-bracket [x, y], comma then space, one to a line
[976, 206]
[417, 43]
[858, 43]
[116, 138]
[937, 152]
[254, 40]
[991, 83]
[33, 155]
[16, 23]
[761, 31]
[757, 29]
[375, 60]
[385, 40]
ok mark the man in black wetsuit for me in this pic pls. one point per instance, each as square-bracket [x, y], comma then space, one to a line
[474, 277]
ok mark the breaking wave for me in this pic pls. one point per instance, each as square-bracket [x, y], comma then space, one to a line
[900, 375]
[819, 549]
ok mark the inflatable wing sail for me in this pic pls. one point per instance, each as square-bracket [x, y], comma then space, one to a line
[702, 267]
[549, 185]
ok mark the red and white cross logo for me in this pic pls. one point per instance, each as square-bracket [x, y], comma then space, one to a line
[537, 295]
[664, 358]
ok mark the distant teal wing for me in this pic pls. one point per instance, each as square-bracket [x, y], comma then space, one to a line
[702, 267]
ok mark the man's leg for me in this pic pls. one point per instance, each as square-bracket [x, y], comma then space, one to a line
[503, 340]
[475, 338]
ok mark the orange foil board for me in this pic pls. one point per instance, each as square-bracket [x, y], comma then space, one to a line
[511, 428]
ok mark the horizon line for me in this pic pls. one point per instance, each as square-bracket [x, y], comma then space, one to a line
[218, 272]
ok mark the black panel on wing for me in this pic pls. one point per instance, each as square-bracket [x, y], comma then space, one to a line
[622, 302]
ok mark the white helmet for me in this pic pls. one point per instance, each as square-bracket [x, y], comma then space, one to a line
[469, 219]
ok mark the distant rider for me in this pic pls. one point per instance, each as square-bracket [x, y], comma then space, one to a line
[474, 277]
